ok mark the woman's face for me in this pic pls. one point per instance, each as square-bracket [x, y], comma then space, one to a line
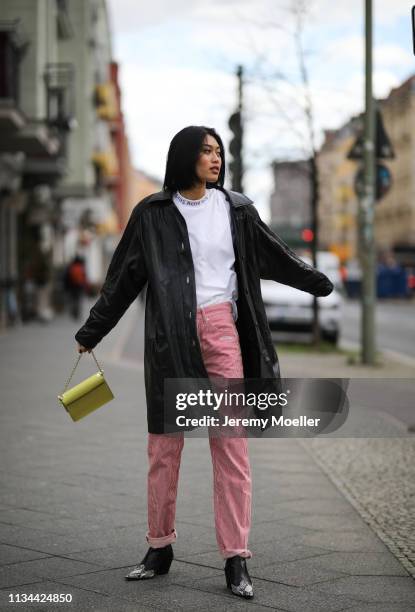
[209, 163]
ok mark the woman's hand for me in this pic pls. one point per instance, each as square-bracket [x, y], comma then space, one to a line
[83, 349]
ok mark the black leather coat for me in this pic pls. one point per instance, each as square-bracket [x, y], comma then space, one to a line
[155, 248]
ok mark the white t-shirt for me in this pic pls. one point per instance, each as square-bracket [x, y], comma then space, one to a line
[208, 223]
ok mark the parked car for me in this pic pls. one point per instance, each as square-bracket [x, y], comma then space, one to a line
[290, 309]
[329, 263]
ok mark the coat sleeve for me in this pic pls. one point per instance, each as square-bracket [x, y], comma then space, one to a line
[125, 278]
[279, 263]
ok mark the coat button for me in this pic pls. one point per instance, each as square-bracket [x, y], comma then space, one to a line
[193, 342]
[182, 246]
[190, 314]
[187, 279]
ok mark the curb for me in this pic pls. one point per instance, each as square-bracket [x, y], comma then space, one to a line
[367, 516]
[394, 355]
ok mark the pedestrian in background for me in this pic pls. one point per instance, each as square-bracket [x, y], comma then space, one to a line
[75, 282]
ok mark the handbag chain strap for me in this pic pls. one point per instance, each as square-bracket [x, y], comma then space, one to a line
[76, 365]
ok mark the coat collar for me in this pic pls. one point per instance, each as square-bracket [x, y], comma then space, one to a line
[236, 198]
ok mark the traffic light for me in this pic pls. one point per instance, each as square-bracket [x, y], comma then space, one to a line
[307, 234]
[235, 149]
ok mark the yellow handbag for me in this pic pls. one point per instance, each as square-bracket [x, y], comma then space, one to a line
[86, 396]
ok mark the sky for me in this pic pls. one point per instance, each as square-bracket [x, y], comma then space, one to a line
[178, 60]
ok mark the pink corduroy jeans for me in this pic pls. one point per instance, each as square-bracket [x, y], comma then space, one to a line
[232, 484]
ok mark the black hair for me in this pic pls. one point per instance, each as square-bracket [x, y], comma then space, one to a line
[183, 155]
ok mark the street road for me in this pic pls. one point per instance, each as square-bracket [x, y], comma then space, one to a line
[395, 325]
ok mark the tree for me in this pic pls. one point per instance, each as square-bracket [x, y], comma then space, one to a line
[298, 11]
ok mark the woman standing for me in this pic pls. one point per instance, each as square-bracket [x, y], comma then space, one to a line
[204, 318]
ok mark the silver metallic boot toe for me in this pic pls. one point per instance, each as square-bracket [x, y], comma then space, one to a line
[157, 561]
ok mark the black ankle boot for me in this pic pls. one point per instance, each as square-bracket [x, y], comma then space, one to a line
[237, 577]
[156, 561]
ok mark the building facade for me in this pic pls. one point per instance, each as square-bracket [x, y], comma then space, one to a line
[338, 205]
[34, 127]
[64, 154]
[394, 219]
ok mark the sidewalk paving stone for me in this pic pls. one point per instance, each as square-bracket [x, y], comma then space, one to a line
[73, 510]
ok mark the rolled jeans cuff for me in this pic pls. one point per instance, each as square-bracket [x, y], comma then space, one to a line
[163, 541]
[242, 552]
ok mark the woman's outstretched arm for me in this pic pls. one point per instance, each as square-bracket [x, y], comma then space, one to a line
[279, 263]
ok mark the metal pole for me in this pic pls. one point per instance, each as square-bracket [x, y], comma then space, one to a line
[367, 205]
[240, 72]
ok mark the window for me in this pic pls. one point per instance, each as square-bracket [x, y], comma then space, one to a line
[12, 47]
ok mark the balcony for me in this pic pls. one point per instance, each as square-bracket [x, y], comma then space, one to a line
[37, 138]
[60, 95]
[34, 138]
[106, 101]
[46, 140]
[11, 118]
[106, 167]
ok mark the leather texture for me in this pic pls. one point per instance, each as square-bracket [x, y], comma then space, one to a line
[155, 250]
[238, 579]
